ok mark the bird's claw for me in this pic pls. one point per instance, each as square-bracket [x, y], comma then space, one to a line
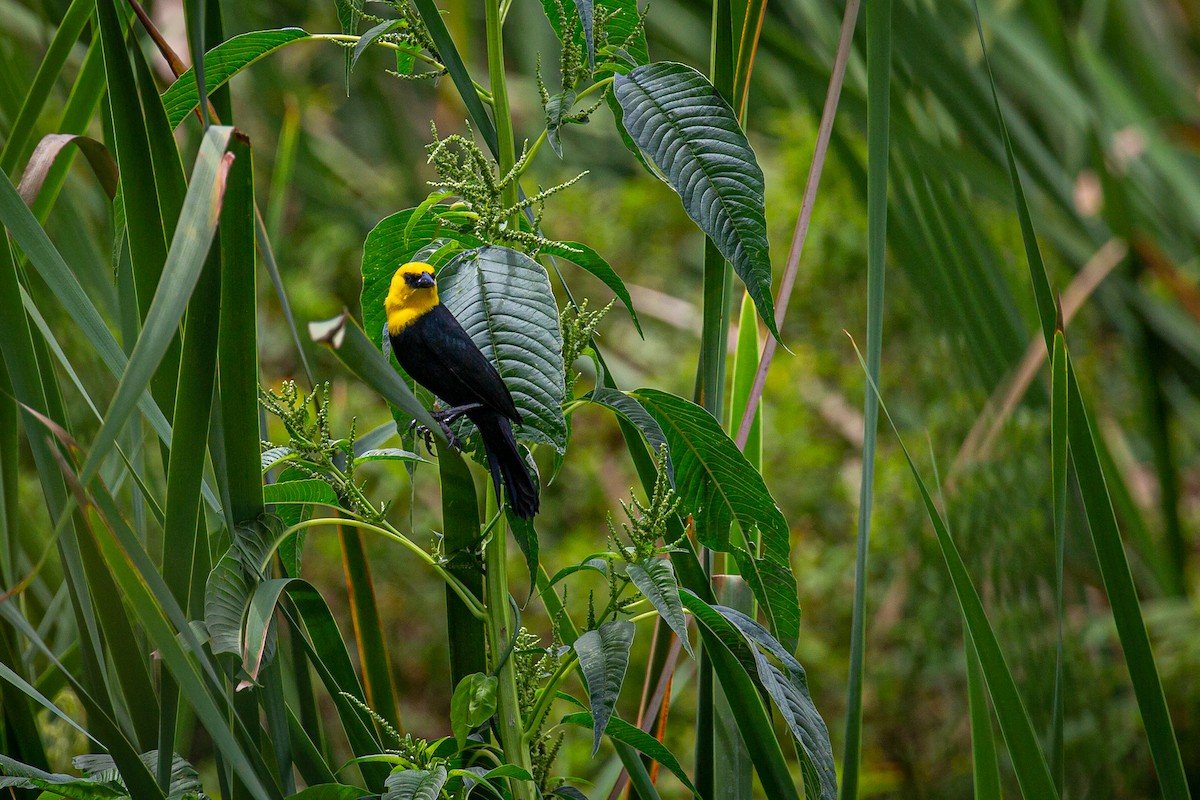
[426, 435]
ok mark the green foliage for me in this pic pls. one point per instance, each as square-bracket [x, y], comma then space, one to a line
[148, 602]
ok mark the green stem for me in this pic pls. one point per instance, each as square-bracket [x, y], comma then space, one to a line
[500, 633]
[505, 151]
[465, 594]
[419, 55]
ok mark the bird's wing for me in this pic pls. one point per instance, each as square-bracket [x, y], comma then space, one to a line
[463, 365]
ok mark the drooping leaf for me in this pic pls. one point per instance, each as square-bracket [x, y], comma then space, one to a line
[603, 657]
[221, 63]
[692, 135]
[633, 412]
[717, 485]
[473, 703]
[370, 37]
[226, 598]
[584, 256]
[788, 688]
[504, 301]
[639, 740]
[415, 784]
[655, 578]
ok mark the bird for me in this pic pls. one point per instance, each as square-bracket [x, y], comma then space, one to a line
[434, 349]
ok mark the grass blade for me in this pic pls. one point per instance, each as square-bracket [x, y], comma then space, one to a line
[1106, 535]
[879, 47]
[985, 769]
[184, 264]
[1029, 762]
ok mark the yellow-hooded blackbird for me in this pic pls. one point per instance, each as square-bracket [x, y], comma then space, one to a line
[437, 353]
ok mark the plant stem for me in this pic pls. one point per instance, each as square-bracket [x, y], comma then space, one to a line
[500, 633]
[463, 592]
[505, 151]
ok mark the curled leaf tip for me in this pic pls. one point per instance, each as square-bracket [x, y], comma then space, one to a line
[329, 331]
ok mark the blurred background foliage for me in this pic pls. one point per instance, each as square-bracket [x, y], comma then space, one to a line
[1101, 96]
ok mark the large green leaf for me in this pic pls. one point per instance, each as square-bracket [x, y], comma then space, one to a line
[603, 657]
[504, 301]
[718, 485]
[692, 135]
[222, 63]
[629, 409]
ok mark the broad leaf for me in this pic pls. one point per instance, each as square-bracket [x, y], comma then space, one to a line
[655, 578]
[603, 657]
[718, 485]
[309, 490]
[415, 784]
[639, 740]
[222, 63]
[692, 135]
[504, 301]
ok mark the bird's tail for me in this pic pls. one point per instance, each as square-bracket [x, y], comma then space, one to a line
[507, 465]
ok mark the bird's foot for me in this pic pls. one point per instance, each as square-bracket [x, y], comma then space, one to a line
[443, 419]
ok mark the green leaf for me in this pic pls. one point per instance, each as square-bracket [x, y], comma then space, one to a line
[655, 578]
[734, 667]
[718, 485]
[603, 657]
[584, 256]
[226, 598]
[693, 137]
[622, 19]
[621, 731]
[185, 260]
[788, 688]
[387, 454]
[504, 301]
[628, 408]
[415, 784]
[473, 703]
[309, 490]
[222, 63]
[370, 37]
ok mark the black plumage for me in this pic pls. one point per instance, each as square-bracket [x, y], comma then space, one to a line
[439, 354]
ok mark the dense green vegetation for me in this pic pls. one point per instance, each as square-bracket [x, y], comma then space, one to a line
[221, 538]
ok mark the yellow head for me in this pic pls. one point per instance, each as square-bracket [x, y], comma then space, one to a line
[413, 292]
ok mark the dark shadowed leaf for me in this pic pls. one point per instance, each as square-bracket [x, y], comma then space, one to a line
[603, 657]
[504, 301]
[718, 485]
[692, 135]
[655, 578]
[584, 256]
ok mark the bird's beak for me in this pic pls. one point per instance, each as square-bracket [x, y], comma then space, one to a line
[424, 280]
